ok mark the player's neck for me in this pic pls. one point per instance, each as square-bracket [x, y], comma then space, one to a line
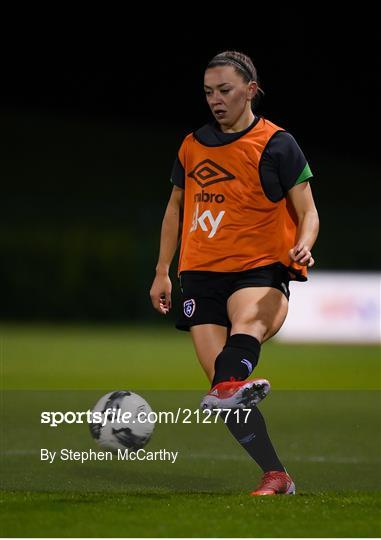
[242, 123]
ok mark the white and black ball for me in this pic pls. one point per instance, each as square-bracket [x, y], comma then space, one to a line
[112, 434]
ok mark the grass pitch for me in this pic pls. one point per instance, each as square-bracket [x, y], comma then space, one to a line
[323, 415]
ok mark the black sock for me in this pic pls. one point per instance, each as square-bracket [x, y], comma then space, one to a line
[253, 437]
[237, 359]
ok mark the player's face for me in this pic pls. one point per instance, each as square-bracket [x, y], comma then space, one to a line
[227, 94]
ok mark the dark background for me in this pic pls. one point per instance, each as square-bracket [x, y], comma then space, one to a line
[91, 122]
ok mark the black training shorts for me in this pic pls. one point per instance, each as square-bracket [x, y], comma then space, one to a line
[205, 294]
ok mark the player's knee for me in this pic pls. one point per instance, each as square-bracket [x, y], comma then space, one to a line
[258, 329]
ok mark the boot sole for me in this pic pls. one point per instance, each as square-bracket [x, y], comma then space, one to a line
[248, 396]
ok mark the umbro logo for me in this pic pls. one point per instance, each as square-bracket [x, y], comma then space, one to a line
[207, 172]
[213, 393]
[248, 364]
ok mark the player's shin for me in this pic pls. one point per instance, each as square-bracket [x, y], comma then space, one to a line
[250, 432]
[238, 359]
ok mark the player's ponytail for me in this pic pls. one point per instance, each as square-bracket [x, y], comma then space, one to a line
[243, 65]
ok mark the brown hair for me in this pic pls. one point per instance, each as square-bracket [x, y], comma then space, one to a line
[243, 66]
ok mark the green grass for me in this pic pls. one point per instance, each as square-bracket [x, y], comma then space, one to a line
[190, 515]
[85, 357]
[323, 415]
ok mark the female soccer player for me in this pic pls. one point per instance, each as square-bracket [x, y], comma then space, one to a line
[242, 198]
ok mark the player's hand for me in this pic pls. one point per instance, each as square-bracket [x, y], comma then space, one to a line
[301, 255]
[160, 293]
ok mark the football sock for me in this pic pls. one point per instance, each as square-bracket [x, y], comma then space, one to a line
[237, 359]
[253, 437]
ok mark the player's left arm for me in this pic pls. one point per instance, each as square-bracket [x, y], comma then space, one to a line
[308, 223]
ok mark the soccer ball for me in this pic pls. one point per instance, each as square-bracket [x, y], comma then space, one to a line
[120, 421]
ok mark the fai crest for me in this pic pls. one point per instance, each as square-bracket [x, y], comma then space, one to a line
[189, 307]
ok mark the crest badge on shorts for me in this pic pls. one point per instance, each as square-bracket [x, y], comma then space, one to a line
[189, 307]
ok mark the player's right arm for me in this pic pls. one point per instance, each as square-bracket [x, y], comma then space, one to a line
[170, 235]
